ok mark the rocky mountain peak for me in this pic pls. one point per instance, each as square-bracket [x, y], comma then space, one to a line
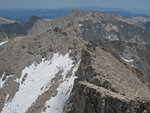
[33, 19]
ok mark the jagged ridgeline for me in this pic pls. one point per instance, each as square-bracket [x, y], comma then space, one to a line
[79, 63]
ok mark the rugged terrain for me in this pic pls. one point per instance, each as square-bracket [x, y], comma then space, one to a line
[107, 85]
[124, 39]
[79, 63]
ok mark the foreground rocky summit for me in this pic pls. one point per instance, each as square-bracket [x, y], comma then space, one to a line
[80, 63]
[106, 85]
[89, 98]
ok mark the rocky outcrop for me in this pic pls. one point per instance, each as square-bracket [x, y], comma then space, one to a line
[107, 85]
[89, 98]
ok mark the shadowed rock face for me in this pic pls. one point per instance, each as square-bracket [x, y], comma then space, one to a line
[147, 24]
[89, 98]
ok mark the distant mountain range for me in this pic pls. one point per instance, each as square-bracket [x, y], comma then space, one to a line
[33, 26]
[22, 15]
[5, 21]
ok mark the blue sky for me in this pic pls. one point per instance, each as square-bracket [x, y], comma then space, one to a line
[126, 4]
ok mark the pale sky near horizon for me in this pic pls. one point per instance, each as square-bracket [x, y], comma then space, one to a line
[125, 4]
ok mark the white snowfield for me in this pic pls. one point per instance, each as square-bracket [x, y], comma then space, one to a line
[2, 43]
[57, 103]
[38, 81]
[80, 25]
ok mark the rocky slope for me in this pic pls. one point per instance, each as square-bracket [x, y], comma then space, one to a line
[121, 37]
[37, 69]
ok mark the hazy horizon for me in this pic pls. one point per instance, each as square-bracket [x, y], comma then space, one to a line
[51, 4]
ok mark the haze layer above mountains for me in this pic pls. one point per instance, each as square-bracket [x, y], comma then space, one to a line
[22, 15]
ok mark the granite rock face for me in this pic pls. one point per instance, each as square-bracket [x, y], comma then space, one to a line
[107, 85]
[89, 98]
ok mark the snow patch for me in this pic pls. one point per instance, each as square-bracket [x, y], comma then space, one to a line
[126, 60]
[7, 98]
[3, 82]
[2, 43]
[109, 37]
[38, 76]
[56, 103]
[80, 25]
